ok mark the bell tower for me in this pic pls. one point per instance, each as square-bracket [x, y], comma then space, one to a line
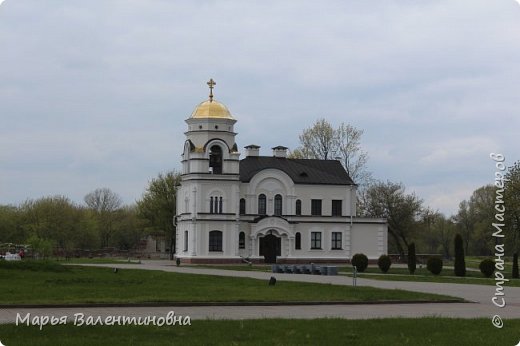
[208, 198]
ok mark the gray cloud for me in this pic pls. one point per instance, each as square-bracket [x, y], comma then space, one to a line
[94, 93]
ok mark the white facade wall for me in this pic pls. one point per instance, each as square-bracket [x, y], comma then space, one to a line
[195, 219]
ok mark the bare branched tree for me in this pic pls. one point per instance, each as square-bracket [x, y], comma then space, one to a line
[322, 141]
[103, 200]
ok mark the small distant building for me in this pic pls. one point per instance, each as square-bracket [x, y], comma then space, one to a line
[153, 246]
[269, 209]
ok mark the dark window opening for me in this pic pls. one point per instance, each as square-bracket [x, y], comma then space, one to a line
[336, 207]
[185, 240]
[241, 240]
[215, 241]
[316, 207]
[298, 207]
[298, 241]
[215, 160]
[262, 204]
[242, 206]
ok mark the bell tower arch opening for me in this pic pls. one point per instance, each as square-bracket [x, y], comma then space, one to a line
[215, 159]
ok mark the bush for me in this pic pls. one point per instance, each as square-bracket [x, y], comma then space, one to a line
[515, 266]
[487, 267]
[384, 262]
[434, 265]
[360, 261]
[412, 260]
[460, 264]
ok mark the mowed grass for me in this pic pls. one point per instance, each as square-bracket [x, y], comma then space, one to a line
[31, 282]
[423, 275]
[373, 332]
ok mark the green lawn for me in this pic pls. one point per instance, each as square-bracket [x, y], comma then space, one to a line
[423, 275]
[417, 331]
[32, 282]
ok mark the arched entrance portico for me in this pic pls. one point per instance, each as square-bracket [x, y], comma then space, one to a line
[270, 247]
[271, 238]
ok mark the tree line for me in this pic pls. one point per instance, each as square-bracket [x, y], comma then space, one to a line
[103, 221]
[57, 224]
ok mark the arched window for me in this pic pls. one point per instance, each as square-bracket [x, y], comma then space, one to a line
[242, 206]
[185, 240]
[215, 159]
[241, 240]
[298, 241]
[278, 205]
[215, 205]
[215, 241]
[298, 207]
[261, 204]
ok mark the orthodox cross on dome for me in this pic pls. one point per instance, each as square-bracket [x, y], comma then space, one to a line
[211, 85]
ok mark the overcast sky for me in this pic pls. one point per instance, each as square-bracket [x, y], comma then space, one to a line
[95, 93]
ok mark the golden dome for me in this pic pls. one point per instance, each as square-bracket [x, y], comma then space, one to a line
[211, 109]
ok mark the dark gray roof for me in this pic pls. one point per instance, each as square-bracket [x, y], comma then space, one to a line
[301, 171]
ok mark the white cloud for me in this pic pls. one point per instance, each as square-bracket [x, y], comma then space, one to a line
[97, 91]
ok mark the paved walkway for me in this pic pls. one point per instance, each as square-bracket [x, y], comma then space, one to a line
[479, 294]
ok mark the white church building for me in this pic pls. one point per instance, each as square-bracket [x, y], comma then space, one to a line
[267, 209]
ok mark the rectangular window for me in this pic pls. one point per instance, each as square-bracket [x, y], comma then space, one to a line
[316, 240]
[336, 240]
[316, 207]
[336, 207]
[215, 241]
[185, 240]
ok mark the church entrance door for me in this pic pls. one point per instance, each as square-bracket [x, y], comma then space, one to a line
[270, 247]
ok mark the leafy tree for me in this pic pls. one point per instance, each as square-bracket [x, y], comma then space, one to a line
[87, 236]
[10, 230]
[473, 221]
[412, 259]
[51, 218]
[128, 228]
[512, 204]
[322, 141]
[158, 205]
[389, 200]
[460, 264]
[466, 220]
[515, 266]
[42, 248]
[105, 203]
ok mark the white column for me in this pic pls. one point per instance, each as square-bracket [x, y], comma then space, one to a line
[252, 247]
